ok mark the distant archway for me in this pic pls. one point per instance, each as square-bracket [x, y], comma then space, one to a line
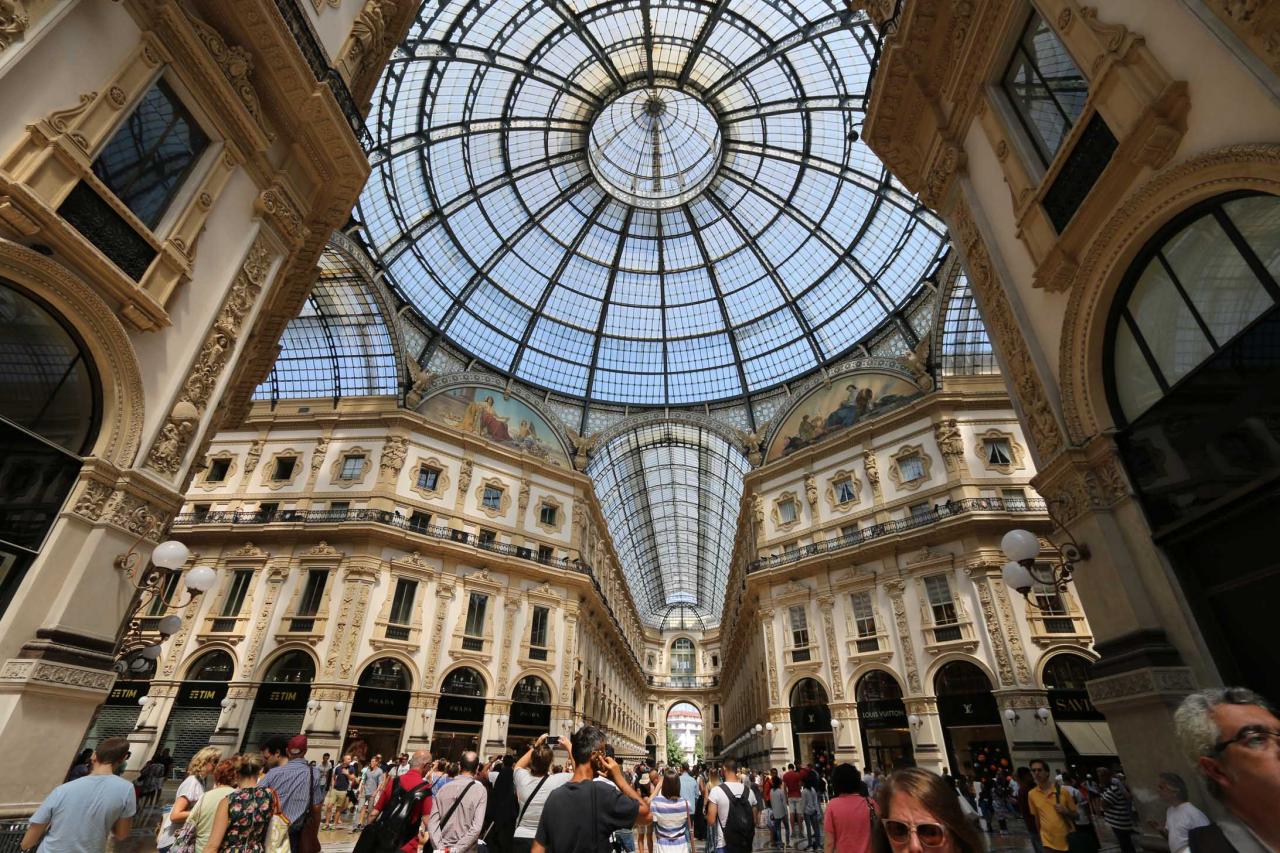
[971, 725]
[379, 710]
[530, 713]
[280, 703]
[460, 716]
[684, 734]
[197, 706]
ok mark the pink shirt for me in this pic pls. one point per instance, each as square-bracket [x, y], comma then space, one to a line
[848, 824]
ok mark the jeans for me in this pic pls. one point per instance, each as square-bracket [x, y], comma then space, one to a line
[779, 830]
[1124, 837]
[813, 823]
[626, 838]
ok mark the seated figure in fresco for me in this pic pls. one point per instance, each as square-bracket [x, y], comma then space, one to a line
[807, 432]
[854, 406]
[495, 426]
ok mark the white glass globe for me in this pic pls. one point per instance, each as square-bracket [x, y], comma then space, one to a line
[1042, 712]
[759, 728]
[201, 579]
[170, 555]
[169, 624]
[143, 700]
[139, 664]
[151, 652]
[1016, 576]
[768, 726]
[914, 720]
[1019, 545]
[1010, 714]
[835, 724]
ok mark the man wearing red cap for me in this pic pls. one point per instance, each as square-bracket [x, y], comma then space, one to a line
[295, 782]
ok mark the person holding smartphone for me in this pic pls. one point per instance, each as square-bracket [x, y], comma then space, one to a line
[534, 784]
[581, 814]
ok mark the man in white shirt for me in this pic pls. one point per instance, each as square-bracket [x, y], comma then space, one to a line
[1181, 817]
[718, 809]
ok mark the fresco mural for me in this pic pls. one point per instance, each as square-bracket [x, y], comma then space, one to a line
[829, 409]
[484, 412]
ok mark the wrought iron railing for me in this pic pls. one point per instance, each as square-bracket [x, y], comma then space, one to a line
[942, 512]
[309, 43]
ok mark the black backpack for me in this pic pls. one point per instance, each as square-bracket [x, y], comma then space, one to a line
[740, 823]
[394, 827]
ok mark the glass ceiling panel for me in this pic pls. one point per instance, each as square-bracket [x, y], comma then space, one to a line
[670, 494]
[966, 348]
[339, 344]
[643, 201]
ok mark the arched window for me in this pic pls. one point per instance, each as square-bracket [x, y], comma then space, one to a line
[960, 677]
[876, 685]
[1200, 282]
[533, 690]
[682, 658]
[294, 667]
[212, 666]
[808, 691]
[464, 682]
[386, 673]
[1067, 672]
[49, 405]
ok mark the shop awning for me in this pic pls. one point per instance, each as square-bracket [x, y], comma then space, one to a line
[1088, 737]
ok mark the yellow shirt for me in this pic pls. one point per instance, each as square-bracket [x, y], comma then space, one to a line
[1053, 826]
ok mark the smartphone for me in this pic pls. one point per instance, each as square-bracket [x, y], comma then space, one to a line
[552, 740]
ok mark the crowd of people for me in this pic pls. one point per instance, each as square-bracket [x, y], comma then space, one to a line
[582, 800]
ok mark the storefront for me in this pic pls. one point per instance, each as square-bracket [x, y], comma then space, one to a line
[530, 713]
[379, 710]
[1083, 731]
[811, 740]
[280, 706]
[974, 735]
[882, 721]
[117, 716]
[460, 715]
[197, 707]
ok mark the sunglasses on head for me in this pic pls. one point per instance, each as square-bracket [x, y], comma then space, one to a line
[930, 834]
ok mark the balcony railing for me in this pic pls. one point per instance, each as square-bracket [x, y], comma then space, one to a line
[683, 681]
[939, 513]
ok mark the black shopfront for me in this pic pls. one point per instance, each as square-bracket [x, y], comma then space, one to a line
[197, 707]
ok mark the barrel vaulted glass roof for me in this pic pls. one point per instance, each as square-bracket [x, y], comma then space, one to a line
[669, 492]
[339, 344]
[640, 201]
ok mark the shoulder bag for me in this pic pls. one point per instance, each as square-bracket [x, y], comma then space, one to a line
[532, 797]
[277, 830]
[309, 834]
[444, 821]
[1078, 840]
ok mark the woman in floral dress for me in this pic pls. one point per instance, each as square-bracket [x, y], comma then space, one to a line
[244, 815]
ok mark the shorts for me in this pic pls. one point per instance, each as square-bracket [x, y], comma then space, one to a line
[367, 800]
[793, 804]
[335, 798]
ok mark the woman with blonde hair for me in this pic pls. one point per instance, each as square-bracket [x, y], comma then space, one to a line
[189, 793]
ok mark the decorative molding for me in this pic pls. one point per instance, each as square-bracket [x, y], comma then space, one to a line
[237, 66]
[504, 500]
[1147, 682]
[47, 673]
[276, 207]
[318, 454]
[776, 513]
[335, 467]
[872, 469]
[811, 493]
[1017, 454]
[268, 474]
[895, 470]
[251, 458]
[205, 484]
[392, 459]
[442, 478]
[14, 21]
[947, 436]
[854, 483]
[550, 500]
[895, 589]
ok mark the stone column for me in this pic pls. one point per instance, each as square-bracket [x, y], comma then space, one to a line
[927, 739]
[493, 735]
[848, 737]
[1028, 736]
[152, 717]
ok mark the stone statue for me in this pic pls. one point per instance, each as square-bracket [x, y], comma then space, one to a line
[873, 470]
[947, 435]
[916, 363]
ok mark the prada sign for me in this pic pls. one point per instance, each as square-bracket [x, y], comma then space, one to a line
[383, 702]
[530, 714]
[202, 694]
[462, 708]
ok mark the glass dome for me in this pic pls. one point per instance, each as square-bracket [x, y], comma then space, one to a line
[652, 202]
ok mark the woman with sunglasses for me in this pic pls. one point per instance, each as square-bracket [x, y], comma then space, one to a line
[919, 812]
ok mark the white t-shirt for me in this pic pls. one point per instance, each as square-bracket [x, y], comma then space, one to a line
[193, 790]
[721, 800]
[526, 782]
[1180, 820]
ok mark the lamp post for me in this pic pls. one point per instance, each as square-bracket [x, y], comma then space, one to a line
[1023, 572]
[135, 656]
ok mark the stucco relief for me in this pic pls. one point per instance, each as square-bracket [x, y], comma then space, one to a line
[895, 589]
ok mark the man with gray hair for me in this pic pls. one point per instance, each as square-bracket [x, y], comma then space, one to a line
[1233, 736]
[1181, 817]
[451, 833]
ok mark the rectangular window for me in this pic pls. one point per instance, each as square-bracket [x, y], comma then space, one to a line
[309, 602]
[715, 662]
[715, 713]
[473, 628]
[799, 627]
[864, 616]
[402, 601]
[787, 511]
[1045, 87]
[545, 553]
[538, 627]
[236, 594]
[339, 508]
[943, 606]
[487, 537]
[998, 452]
[217, 472]
[284, 467]
[161, 602]
[844, 490]
[911, 468]
[1053, 609]
[150, 155]
[547, 514]
[1015, 500]
[420, 520]
[428, 478]
[352, 466]
[492, 498]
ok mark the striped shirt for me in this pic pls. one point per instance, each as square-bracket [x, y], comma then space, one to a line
[671, 822]
[290, 784]
[1117, 808]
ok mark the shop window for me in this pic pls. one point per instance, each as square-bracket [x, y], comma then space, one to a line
[943, 607]
[473, 628]
[402, 601]
[151, 154]
[911, 467]
[864, 618]
[352, 466]
[548, 514]
[799, 633]
[1067, 672]
[998, 451]
[844, 490]
[1045, 88]
[491, 498]
[428, 477]
[532, 690]
[217, 472]
[284, 468]
[234, 601]
[420, 520]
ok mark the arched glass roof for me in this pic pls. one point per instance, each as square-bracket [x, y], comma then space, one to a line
[640, 201]
[669, 492]
[966, 348]
[339, 345]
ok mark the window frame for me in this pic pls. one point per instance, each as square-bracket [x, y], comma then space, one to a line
[428, 472]
[405, 588]
[275, 468]
[345, 471]
[237, 592]
[1045, 158]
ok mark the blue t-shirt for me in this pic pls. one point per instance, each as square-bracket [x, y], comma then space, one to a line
[80, 814]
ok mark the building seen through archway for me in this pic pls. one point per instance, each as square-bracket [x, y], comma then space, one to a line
[676, 369]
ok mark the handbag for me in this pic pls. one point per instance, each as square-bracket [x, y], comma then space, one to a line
[309, 834]
[276, 838]
[1078, 840]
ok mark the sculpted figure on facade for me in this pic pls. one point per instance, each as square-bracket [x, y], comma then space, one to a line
[393, 453]
[947, 434]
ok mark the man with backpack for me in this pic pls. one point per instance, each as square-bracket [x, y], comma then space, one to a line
[732, 812]
[400, 810]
